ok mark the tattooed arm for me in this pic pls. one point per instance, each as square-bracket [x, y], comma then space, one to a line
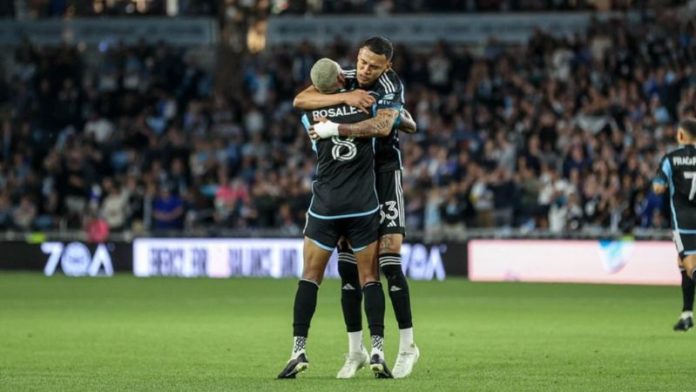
[311, 98]
[378, 126]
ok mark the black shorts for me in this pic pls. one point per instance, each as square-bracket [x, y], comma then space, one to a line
[360, 231]
[391, 200]
[686, 243]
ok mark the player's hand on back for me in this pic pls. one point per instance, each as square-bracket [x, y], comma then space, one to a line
[360, 99]
[407, 124]
[323, 129]
[406, 114]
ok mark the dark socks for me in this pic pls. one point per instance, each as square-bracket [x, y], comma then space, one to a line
[374, 307]
[351, 294]
[687, 288]
[305, 305]
[398, 288]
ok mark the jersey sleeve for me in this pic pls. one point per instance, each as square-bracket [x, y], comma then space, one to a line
[389, 92]
[305, 121]
[664, 172]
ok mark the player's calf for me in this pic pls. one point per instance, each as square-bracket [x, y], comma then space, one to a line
[397, 285]
[351, 293]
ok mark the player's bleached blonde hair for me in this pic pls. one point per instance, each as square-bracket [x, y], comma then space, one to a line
[324, 75]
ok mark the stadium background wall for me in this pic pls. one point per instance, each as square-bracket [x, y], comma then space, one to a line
[201, 257]
[619, 261]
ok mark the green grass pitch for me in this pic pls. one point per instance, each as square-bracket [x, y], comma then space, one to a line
[128, 334]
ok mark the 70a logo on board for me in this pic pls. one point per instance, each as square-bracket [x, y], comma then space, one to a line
[75, 259]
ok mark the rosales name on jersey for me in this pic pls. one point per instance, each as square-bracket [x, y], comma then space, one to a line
[334, 112]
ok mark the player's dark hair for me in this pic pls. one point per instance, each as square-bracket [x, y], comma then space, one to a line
[380, 45]
[689, 126]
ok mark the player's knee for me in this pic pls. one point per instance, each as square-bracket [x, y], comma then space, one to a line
[367, 277]
[368, 281]
[313, 275]
[689, 263]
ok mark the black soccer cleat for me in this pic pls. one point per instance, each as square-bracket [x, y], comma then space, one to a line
[379, 367]
[294, 366]
[684, 324]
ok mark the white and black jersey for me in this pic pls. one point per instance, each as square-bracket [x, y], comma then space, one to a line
[344, 183]
[678, 172]
[389, 93]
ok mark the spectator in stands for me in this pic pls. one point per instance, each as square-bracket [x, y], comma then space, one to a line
[24, 214]
[5, 211]
[114, 207]
[167, 209]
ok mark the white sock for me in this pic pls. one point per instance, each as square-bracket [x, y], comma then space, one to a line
[686, 314]
[298, 346]
[355, 342]
[377, 346]
[405, 339]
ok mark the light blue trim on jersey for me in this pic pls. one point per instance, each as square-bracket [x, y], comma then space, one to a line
[311, 201]
[305, 121]
[397, 122]
[685, 231]
[353, 215]
[319, 244]
[689, 253]
[307, 124]
[393, 106]
[360, 248]
[667, 169]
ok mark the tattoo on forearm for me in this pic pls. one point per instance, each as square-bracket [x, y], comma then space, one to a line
[376, 126]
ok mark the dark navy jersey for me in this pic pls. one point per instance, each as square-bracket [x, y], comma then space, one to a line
[678, 172]
[389, 93]
[344, 183]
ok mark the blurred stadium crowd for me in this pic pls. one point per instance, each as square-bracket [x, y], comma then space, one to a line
[111, 8]
[563, 133]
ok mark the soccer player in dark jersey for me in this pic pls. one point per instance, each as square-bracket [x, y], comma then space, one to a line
[344, 204]
[375, 75]
[677, 174]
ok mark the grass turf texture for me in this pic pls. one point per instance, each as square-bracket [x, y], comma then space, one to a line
[123, 333]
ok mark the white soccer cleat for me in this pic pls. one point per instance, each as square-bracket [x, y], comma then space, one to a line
[354, 362]
[405, 361]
